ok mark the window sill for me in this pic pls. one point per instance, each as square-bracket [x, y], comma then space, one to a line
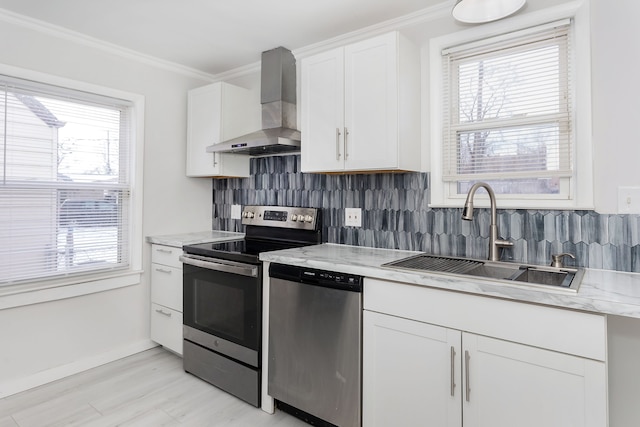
[502, 204]
[11, 298]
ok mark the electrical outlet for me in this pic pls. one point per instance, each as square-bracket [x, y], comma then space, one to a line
[236, 211]
[353, 217]
[628, 200]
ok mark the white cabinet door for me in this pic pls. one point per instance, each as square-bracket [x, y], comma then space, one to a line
[166, 286]
[371, 104]
[166, 297]
[218, 112]
[360, 107]
[508, 384]
[411, 373]
[166, 327]
[322, 112]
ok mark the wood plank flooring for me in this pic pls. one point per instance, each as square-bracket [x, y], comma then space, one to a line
[146, 389]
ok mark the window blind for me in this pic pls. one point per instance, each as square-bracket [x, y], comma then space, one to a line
[64, 182]
[508, 108]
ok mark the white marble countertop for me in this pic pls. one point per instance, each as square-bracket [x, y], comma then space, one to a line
[178, 240]
[601, 291]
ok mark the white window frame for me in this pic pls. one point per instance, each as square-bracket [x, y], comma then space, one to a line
[66, 287]
[581, 183]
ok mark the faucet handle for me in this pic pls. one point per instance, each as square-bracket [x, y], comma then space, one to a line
[502, 243]
[556, 259]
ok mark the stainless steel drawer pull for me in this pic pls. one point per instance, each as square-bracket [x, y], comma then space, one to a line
[466, 373]
[162, 270]
[453, 370]
[164, 313]
[337, 143]
[165, 251]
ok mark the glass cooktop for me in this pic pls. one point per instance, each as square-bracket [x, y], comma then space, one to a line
[239, 250]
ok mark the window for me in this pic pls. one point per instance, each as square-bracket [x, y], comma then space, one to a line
[507, 115]
[65, 187]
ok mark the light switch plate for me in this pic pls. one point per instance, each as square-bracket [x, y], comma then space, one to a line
[353, 217]
[236, 211]
[628, 200]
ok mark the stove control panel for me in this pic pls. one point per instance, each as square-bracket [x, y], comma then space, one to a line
[281, 216]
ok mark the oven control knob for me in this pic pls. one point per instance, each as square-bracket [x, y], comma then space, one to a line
[300, 218]
[250, 215]
[308, 218]
[294, 217]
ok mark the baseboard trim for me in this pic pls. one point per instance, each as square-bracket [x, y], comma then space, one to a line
[11, 387]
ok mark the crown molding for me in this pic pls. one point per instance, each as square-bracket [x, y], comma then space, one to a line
[417, 18]
[406, 21]
[83, 39]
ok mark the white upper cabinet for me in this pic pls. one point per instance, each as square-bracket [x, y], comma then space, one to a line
[218, 112]
[361, 107]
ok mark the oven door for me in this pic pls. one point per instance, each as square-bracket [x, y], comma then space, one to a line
[222, 306]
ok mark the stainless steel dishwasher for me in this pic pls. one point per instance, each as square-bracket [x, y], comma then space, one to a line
[315, 344]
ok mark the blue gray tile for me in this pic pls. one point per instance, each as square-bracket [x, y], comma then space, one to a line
[396, 215]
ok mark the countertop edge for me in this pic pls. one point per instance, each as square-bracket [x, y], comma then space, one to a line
[178, 240]
[602, 292]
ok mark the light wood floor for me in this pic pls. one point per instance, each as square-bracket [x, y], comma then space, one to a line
[146, 389]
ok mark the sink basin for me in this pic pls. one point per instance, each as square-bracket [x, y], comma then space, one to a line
[562, 278]
[493, 271]
[565, 279]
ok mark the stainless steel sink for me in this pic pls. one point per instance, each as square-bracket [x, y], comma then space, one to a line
[565, 278]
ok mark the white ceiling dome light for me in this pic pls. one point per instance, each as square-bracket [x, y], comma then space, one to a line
[481, 11]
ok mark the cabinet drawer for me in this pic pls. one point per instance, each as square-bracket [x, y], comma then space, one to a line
[166, 327]
[166, 286]
[567, 331]
[166, 255]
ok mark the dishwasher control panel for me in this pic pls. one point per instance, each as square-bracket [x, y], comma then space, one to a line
[310, 276]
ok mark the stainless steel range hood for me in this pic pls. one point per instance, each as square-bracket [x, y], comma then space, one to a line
[278, 98]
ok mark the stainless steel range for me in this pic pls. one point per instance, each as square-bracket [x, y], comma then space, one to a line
[222, 285]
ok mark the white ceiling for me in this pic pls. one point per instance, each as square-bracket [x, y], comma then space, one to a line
[213, 36]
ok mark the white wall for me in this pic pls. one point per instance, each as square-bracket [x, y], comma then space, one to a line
[615, 57]
[616, 98]
[45, 340]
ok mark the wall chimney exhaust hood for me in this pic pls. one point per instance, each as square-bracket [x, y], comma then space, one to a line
[278, 98]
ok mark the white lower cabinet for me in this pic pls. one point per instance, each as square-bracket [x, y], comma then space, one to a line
[166, 327]
[166, 297]
[510, 384]
[417, 373]
[408, 368]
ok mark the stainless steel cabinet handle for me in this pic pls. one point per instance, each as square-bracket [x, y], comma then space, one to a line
[466, 373]
[346, 147]
[219, 265]
[215, 162]
[337, 143]
[162, 270]
[453, 370]
[164, 313]
[164, 251]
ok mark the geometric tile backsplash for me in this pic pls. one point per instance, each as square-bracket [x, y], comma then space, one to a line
[395, 215]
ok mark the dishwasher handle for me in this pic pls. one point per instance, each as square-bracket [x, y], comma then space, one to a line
[322, 278]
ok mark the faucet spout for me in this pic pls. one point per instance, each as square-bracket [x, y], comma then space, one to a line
[467, 214]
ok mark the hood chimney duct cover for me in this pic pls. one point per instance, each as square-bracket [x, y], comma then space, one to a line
[278, 98]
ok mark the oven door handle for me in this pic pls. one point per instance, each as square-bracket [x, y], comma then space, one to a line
[219, 265]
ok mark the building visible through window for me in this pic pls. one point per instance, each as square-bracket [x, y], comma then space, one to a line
[64, 182]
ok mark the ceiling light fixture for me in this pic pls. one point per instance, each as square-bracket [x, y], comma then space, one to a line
[481, 11]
